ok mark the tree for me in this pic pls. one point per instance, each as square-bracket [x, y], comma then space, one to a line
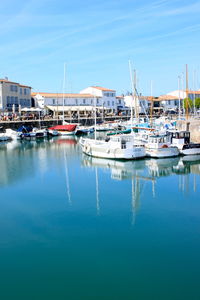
[197, 102]
[189, 102]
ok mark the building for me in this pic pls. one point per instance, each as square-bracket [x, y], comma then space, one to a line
[104, 99]
[142, 103]
[14, 96]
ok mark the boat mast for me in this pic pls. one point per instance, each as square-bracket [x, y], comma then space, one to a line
[135, 98]
[95, 117]
[64, 92]
[151, 109]
[187, 104]
[179, 99]
[132, 88]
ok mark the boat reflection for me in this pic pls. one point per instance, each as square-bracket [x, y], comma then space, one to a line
[21, 159]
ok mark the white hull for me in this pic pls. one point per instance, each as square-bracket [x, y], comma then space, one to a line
[162, 152]
[191, 151]
[64, 133]
[102, 149]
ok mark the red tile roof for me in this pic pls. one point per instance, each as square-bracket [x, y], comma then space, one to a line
[102, 89]
[12, 82]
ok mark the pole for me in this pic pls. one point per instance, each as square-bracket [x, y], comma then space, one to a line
[179, 98]
[95, 118]
[187, 106]
[132, 87]
[151, 112]
[64, 92]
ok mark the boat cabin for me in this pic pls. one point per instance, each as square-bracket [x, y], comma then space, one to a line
[180, 137]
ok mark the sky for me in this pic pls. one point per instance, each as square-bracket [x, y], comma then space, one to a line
[97, 39]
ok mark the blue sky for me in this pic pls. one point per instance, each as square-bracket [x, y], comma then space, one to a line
[96, 39]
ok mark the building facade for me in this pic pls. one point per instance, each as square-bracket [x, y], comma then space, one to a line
[14, 95]
[104, 100]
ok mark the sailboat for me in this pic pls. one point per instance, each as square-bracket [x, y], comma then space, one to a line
[65, 128]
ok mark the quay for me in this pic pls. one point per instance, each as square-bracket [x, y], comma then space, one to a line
[15, 124]
[192, 124]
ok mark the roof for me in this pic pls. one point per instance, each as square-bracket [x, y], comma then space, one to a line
[194, 92]
[102, 88]
[13, 82]
[60, 95]
[167, 97]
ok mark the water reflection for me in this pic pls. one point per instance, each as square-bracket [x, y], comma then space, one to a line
[20, 160]
[140, 172]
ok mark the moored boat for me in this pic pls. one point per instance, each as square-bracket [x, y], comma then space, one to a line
[181, 139]
[114, 147]
[67, 129]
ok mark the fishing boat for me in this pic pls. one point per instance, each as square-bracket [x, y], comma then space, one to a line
[114, 147]
[159, 146]
[181, 139]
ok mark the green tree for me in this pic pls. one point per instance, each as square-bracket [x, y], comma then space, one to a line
[190, 103]
[197, 102]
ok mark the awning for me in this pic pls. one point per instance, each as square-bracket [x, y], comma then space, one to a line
[32, 109]
[74, 108]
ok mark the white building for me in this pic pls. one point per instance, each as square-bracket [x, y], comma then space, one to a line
[13, 94]
[141, 102]
[104, 99]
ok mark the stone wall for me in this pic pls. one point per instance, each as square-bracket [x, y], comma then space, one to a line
[194, 127]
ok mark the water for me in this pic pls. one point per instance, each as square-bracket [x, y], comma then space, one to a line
[74, 227]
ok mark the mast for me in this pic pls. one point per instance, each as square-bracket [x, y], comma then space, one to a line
[151, 110]
[135, 97]
[95, 117]
[132, 87]
[179, 99]
[187, 104]
[64, 92]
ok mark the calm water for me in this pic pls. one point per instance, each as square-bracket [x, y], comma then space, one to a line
[73, 227]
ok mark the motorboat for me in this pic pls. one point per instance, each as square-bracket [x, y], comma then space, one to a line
[159, 146]
[14, 135]
[181, 139]
[66, 129]
[81, 130]
[4, 137]
[114, 147]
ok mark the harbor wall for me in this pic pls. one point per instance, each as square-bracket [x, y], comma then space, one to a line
[52, 122]
[193, 125]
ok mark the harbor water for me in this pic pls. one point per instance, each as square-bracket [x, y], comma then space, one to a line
[76, 227]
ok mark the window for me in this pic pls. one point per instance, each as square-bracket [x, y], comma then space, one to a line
[15, 88]
[97, 101]
[108, 103]
[83, 101]
[16, 100]
[53, 101]
[8, 99]
[119, 101]
[76, 101]
[11, 88]
[20, 91]
[113, 103]
[24, 91]
[91, 101]
[12, 100]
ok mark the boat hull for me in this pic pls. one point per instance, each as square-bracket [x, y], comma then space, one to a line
[101, 151]
[162, 152]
